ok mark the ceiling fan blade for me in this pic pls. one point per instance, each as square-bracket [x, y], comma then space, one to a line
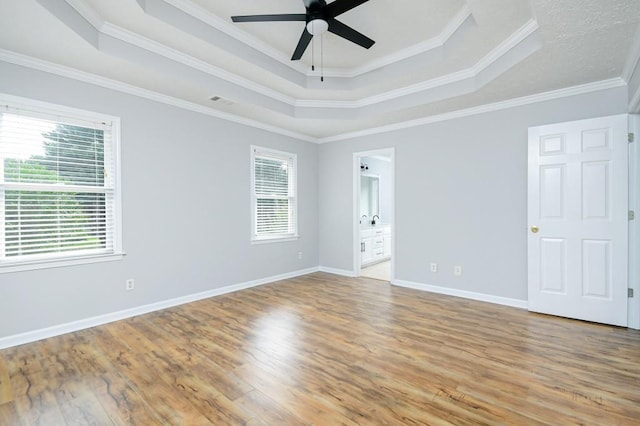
[339, 7]
[345, 31]
[305, 38]
[270, 18]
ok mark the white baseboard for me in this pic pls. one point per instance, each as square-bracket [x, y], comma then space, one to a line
[516, 303]
[334, 271]
[56, 330]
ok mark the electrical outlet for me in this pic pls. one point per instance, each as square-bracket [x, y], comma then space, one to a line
[434, 267]
[300, 255]
[457, 270]
[130, 285]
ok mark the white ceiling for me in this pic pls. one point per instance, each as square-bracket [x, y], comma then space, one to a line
[431, 57]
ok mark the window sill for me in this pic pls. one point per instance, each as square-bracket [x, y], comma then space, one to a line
[6, 267]
[274, 239]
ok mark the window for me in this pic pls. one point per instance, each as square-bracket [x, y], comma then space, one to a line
[273, 193]
[59, 202]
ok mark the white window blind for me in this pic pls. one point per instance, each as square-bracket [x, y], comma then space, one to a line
[273, 194]
[57, 187]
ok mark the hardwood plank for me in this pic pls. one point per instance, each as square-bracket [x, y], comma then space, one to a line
[154, 390]
[9, 414]
[123, 403]
[84, 410]
[189, 392]
[23, 359]
[267, 410]
[116, 398]
[178, 349]
[322, 349]
[39, 408]
[294, 396]
[6, 389]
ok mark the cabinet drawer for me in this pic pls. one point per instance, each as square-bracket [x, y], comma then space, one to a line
[387, 245]
[378, 242]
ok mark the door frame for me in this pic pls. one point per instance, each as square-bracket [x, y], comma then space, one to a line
[391, 152]
[633, 308]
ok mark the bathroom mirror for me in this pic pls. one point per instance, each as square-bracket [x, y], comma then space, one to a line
[369, 196]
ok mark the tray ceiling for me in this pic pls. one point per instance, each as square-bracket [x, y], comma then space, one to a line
[431, 57]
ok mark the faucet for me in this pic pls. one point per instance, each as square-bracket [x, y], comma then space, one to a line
[373, 219]
[364, 215]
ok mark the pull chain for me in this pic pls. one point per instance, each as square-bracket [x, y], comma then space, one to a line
[322, 57]
[313, 51]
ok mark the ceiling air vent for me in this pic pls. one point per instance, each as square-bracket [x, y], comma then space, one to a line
[221, 101]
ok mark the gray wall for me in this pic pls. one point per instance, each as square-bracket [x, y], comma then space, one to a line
[461, 194]
[460, 199]
[186, 210]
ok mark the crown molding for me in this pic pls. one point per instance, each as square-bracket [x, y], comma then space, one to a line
[103, 27]
[634, 103]
[203, 15]
[417, 49]
[449, 79]
[631, 74]
[41, 65]
[169, 53]
[216, 22]
[86, 77]
[497, 106]
[119, 42]
[87, 12]
[393, 94]
[508, 44]
[469, 75]
[245, 90]
[461, 80]
[633, 58]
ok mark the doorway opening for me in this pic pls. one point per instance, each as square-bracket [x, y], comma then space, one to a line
[374, 213]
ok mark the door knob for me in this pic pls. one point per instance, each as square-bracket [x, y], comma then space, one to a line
[534, 229]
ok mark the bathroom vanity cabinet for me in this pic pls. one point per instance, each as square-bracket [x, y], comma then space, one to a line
[375, 244]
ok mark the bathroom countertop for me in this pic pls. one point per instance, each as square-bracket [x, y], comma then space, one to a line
[377, 225]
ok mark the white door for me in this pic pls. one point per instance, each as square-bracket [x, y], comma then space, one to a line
[578, 219]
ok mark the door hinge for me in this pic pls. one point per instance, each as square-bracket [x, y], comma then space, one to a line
[631, 138]
[630, 293]
[632, 215]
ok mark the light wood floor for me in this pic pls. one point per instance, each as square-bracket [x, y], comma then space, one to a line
[326, 350]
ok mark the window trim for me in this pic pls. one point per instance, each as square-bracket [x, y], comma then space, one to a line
[65, 259]
[264, 239]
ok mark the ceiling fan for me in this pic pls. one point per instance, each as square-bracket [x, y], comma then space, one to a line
[320, 18]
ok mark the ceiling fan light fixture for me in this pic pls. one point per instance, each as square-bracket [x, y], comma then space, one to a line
[317, 26]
